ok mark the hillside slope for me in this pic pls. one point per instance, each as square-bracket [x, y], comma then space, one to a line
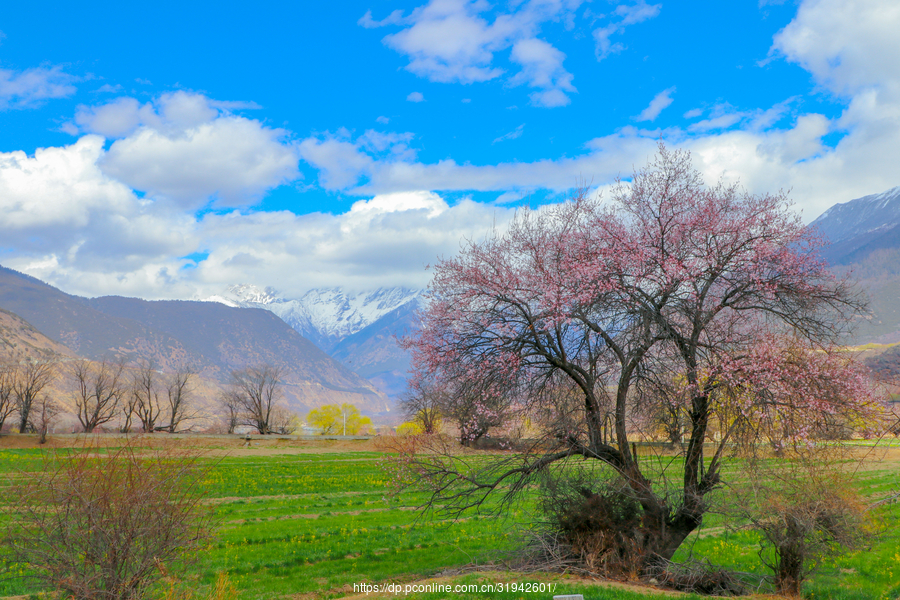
[859, 227]
[863, 237]
[212, 339]
[20, 340]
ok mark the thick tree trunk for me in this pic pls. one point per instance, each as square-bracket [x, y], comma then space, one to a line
[665, 533]
[25, 412]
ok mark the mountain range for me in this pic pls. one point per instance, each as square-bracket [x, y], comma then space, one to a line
[862, 239]
[358, 330]
[211, 338]
[336, 346]
[863, 242]
[857, 228]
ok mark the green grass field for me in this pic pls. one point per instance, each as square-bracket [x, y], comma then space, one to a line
[311, 525]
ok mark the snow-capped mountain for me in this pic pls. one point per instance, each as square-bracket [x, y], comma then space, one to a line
[856, 228]
[357, 330]
[325, 316]
[864, 236]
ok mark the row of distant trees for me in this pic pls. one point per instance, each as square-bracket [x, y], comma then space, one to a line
[137, 396]
[111, 394]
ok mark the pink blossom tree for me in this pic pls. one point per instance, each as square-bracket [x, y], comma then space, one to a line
[669, 280]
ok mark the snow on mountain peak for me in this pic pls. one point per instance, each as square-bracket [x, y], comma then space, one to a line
[324, 315]
[244, 292]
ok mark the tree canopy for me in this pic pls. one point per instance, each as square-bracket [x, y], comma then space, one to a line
[332, 419]
[710, 298]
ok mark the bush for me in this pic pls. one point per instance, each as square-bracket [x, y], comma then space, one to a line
[108, 526]
[802, 526]
[805, 507]
[598, 524]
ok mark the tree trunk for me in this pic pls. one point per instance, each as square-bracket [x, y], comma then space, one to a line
[666, 533]
[789, 576]
[23, 419]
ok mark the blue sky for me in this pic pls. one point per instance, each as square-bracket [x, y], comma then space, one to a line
[168, 151]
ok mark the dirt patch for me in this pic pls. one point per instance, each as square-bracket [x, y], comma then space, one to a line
[214, 445]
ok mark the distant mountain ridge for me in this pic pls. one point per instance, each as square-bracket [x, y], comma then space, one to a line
[20, 340]
[210, 338]
[857, 228]
[359, 330]
[863, 238]
[324, 315]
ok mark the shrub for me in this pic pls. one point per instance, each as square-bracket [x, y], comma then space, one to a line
[804, 525]
[805, 507]
[597, 524]
[108, 526]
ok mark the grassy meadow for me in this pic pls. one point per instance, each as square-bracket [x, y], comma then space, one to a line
[309, 520]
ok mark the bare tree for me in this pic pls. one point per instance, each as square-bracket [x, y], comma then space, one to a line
[423, 404]
[660, 410]
[128, 411]
[284, 422]
[475, 404]
[257, 391]
[806, 507]
[107, 526]
[31, 378]
[178, 393]
[45, 412]
[99, 390]
[7, 392]
[231, 402]
[145, 391]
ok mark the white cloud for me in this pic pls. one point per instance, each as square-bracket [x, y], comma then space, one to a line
[542, 68]
[232, 159]
[719, 121]
[340, 162]
[660, 102]
[115, 119]
[416, 97]
[188, 148]
[724, 116]
[448, 41]
[368, 22]
[68, 222]
[350, 165]
[343, 162]
[59, 209]
[171, 113]
[731, 144]
[109, 89]
[848, 45]
[385, 240]
[452, 41]
[56, 188]
[627, 14]
[23, 89]
[514, 134]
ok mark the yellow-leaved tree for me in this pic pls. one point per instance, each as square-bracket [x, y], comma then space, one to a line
[345, 419]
